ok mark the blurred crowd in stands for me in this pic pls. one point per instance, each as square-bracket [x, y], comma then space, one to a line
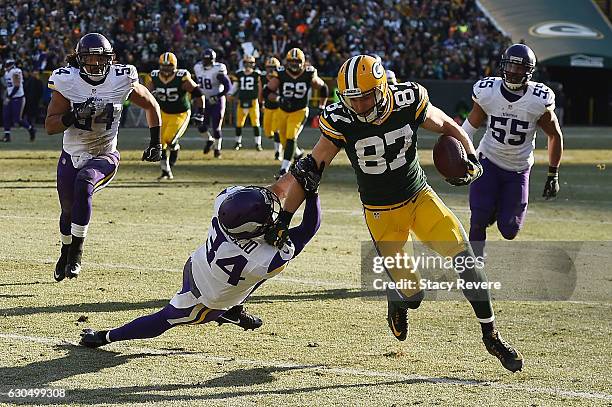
[436, 39]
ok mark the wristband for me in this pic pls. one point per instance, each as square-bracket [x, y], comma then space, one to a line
[155, 136]
[285, 217]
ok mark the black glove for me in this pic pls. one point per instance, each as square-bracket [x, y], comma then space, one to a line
[88, 109]
[474, 171]
[213, 100]
[154, 151]
[278, 234]
[551, 188]
[308, 174]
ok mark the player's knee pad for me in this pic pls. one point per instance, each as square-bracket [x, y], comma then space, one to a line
[85, 177]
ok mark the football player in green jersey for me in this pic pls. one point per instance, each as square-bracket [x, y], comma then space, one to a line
[171, 87]
[376, 124]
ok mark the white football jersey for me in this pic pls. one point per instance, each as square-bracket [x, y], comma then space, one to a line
[509, 140]
[98, 135]
[226, 270]
[9, 80]
[207, 77]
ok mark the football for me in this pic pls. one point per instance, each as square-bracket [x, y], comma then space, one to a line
[449, 157]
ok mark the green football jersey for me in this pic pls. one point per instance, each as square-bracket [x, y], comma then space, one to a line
[248, 86]
[293, 92]
[170, 95]
[268, 104]
[384, 156]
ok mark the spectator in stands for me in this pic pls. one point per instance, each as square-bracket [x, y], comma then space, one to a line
[443, 39]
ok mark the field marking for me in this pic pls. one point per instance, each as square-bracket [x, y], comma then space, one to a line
[326, 369]
[351, 212]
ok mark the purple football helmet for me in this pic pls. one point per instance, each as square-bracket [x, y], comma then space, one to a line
[517, 66]
[208, 57]
[94, 55]
[249, 212]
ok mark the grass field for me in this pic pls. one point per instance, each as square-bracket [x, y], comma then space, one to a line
[322, 342]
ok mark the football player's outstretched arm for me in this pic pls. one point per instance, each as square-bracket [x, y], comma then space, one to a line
[197, 96]
[323, 153]
[58, 107]
[144, 99]
[550, 124]
[439, 122]
[318, 83]
[475, 119]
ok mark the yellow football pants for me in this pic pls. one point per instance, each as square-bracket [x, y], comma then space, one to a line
[290, 124]
[252, 112]
[268, 121]
[173, 126]
[427, 218]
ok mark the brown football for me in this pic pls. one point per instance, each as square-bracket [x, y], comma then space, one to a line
[449, 157]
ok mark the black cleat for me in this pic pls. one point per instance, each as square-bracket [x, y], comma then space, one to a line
[237, 146]
[32, 132]
[238, 316]
[208, 146]
[509, 357]
[397, 318]
[60, 267]
[217, 153]
[6, 139]
[258, 147]
[277, 156]
[93, 339]
[72, 270]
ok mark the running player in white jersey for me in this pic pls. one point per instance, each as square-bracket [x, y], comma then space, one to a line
[14, 102]
[214, 82]
[512, 106]
[229, 266]
[86, 105]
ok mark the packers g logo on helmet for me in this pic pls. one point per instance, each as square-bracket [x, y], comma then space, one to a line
[360, 77]
[167, 62]
[295, 60]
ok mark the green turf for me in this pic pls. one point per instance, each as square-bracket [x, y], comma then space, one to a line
[322, 342]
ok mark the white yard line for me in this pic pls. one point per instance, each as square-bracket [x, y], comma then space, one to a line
[326, 369]
[351, 212]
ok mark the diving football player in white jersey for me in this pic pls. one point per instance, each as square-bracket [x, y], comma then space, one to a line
[229, 266]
